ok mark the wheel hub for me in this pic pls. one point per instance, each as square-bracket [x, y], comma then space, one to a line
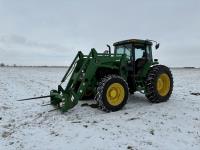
[163, 84]
[115, 94]
[160, 84]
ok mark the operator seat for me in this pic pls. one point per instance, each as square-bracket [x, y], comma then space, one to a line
[140, 62]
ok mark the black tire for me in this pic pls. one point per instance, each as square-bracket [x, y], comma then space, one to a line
[101, 95]
[152, 92]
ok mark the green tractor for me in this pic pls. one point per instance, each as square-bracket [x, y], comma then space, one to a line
[110, 77]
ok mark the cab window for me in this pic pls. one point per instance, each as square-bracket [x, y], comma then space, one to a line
[143, 52]
[124, 49]
[139, 52]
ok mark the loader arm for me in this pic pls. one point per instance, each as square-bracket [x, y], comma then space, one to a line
[80, 74]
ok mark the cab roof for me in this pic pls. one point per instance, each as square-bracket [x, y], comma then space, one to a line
[136, 41]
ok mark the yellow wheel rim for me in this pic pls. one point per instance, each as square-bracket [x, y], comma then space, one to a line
[163, 84]
[115, 94]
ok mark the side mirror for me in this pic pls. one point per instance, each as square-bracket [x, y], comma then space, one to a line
[157, 46]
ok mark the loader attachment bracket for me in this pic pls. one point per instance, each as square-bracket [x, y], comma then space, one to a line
[62, 99]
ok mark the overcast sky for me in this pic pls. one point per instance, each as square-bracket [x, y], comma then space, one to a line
[50, 32]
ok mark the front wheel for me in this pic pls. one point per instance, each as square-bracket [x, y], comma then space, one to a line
[159, 84]
[112, 93]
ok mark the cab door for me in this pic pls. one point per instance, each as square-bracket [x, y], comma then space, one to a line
[142, 56]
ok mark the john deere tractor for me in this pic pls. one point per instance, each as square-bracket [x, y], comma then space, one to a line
[110, 78]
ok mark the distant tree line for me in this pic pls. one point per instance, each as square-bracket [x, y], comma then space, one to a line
[4, 65]
[14, 65]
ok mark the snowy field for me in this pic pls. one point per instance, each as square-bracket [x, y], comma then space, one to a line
[173, 125]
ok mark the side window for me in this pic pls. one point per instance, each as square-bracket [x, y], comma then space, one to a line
[128, 53]
[143, 52]
[139, 52]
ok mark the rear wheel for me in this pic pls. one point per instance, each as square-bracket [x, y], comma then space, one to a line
[112, 93]
[159, 84]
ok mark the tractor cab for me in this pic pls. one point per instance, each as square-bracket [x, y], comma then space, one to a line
[138, 51]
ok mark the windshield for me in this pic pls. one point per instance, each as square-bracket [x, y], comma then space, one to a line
[124, 49]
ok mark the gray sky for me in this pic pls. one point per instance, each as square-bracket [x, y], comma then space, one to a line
[50, 32]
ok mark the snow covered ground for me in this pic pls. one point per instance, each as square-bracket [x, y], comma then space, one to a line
[139, 126]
